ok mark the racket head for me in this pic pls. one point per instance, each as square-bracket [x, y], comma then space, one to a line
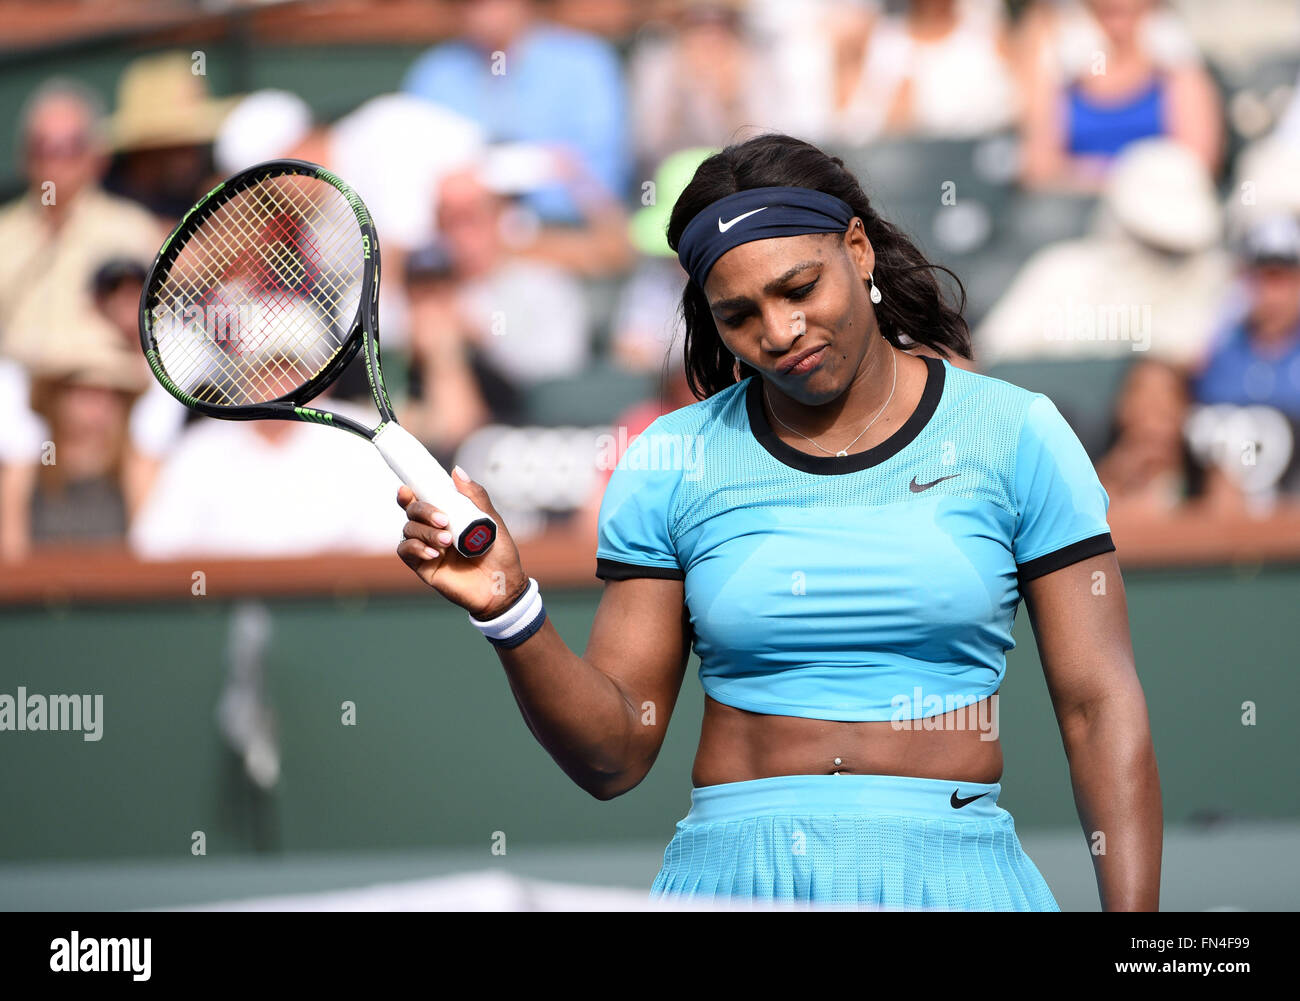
[263, 293]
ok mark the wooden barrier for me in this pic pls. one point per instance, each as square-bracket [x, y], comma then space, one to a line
[110, 573]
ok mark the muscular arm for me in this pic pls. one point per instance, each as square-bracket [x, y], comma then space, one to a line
[603, 716]
[1080, 619]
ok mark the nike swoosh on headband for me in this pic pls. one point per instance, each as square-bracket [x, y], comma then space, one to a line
[723, 227]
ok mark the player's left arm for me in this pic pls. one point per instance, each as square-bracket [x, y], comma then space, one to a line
[1080, 620]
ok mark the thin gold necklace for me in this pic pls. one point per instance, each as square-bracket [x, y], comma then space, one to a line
[845, 450]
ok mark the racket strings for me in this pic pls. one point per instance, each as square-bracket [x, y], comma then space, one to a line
[282, 262]
[275, 259]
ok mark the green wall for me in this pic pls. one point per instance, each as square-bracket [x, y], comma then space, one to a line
[440, 756]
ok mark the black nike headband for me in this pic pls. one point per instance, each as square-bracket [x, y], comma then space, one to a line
[757, 214]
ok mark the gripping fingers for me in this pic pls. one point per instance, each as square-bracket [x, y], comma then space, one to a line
[415, 554]
[433, 539]
[418, 510]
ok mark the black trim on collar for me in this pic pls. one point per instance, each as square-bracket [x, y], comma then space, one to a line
[833, 464]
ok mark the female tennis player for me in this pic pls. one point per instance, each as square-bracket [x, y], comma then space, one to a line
[843, 528]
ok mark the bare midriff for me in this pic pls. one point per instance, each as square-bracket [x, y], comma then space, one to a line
[737, 745]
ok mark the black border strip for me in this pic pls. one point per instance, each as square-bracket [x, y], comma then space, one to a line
[1072, 553]
[831, 464]
[618, 570]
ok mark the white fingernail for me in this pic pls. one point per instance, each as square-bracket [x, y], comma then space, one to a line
[457, 471]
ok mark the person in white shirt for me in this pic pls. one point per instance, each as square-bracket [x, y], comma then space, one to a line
[941, 70]
[1148, 279]
[270, 489]
[530, 319]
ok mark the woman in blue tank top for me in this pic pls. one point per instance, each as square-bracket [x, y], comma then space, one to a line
[1100, 75]
[1098, 128]
[843, 528]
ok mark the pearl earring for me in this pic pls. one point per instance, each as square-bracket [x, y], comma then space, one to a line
[875, 289]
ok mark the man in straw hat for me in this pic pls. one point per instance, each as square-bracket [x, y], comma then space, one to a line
[162, 133]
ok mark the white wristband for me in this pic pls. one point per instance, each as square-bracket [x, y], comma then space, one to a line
[517, 622]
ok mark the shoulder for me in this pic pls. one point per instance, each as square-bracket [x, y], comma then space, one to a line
[119, 211]
[1004, 422]
[705, 416]
[448, 58]
[674, 446]
[16, 214]
[995, 400]
[569, 42]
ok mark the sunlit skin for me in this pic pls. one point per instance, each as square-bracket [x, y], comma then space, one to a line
[588, 711]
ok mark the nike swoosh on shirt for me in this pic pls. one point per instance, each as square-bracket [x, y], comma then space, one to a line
[957, 804]
[724, 226]
[917, 488]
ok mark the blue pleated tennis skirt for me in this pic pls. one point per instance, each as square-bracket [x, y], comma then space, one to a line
[851, 842]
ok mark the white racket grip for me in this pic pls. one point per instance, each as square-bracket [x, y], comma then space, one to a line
[473, 530]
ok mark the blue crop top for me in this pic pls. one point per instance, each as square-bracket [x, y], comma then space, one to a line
[875, 586]
[1103, 129]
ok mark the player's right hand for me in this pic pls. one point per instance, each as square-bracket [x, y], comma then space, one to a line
[484, 586]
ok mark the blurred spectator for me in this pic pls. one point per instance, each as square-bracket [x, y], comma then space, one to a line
[808, 50]
[454, 389]
[942, 69]
[694, 81]
[1148, 466]
[596, 248]
[265, 125]
[61, 230]
[393, 150]
[21, 436]
[1149, 279]
[523, 78]
[1288, 125]
[647, 316]
[1256, 357]
[1238, 43]
[1098, 75]
[157, 417]
[270, 488]
[529, 319]
[1265, 182]
[162, 133]
[79, 494]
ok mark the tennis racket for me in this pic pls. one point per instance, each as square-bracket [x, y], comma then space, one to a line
[260, 297]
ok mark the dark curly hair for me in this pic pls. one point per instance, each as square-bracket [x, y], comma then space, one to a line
[914, 312]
